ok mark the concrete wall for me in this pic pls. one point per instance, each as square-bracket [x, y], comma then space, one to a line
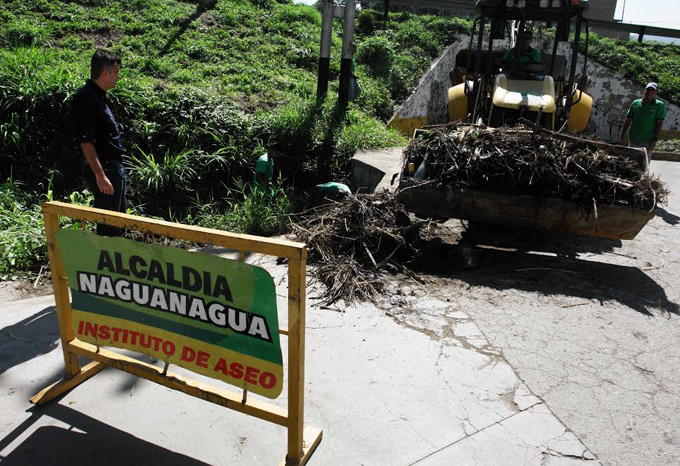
[612, 95]
[428, 103]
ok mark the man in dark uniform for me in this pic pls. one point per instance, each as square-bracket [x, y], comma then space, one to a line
[97, 133]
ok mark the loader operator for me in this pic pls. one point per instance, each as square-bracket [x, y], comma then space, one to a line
[529, 54]
[645, 119]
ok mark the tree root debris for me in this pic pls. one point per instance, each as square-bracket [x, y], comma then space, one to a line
[533, 162]
[354, 240]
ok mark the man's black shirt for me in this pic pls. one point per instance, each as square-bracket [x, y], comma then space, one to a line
[94, 122]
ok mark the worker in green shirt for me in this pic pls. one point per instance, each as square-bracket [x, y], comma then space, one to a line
[529, 54]
[264, 169]
[645, 119]
[333, 190]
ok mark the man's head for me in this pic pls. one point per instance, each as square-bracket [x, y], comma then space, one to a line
[528, 37]
[105, 69]
[274, 151]
[650, 92]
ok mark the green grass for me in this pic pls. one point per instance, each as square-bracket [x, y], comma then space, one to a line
[22, 231]
[255, 213]
[641, 63]
[202, 92]
[670, 145]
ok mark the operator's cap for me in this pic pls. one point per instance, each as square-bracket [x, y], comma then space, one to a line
[654, 86]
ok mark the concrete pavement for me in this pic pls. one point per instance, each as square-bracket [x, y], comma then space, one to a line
[527, 358]
[386, 388]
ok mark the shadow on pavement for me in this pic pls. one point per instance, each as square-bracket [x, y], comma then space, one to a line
[549, 275]
[30, 338]
[94, 442]
[537, 241]
[667, 217]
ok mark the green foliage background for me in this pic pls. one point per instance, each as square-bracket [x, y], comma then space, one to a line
[204, 89]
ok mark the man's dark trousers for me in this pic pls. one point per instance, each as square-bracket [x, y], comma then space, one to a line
[116, 202]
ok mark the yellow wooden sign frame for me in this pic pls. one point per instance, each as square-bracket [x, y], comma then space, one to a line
[301, 441]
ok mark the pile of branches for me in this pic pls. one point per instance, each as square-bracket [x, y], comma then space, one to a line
[352, 241]
[536, 163]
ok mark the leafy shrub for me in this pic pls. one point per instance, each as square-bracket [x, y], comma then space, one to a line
[158, 174]
[26, 32]
[377, 54]
[375, 99]
[448, 30]
[670, 145]
[257, 213]
[414, 34]
[22, 232]
[368, 21]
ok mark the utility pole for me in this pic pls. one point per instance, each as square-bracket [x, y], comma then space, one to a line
[346, 63]
[325, 49]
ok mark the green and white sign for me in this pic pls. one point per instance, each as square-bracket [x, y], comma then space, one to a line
[213, 316]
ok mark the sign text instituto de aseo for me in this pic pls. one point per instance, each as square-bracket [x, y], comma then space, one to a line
[213, 316]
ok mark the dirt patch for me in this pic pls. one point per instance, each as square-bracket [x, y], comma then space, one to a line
[24, 288]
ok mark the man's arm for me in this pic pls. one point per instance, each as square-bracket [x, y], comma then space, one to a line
[626, 126]
[657, 133]
[103, 183]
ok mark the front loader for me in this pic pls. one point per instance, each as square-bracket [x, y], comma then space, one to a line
[488, 91]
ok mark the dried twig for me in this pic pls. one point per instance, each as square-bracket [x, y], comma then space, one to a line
[353, 240]
[537, 163]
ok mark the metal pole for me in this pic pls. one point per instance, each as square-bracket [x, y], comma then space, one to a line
[325, 49]
[346, 63]
[478, 63]
[574, 61]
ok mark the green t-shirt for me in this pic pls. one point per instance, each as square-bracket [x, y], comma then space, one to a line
[333, 190]
[644, 119]
[530, 56]
[265, 168]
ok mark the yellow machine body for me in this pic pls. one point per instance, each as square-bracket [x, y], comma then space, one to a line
[534, 95]
[580, 112]
[458, 103]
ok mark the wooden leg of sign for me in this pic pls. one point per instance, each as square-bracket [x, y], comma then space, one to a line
[301, 444]
[312, 438]
[64, 316]
[55, 390]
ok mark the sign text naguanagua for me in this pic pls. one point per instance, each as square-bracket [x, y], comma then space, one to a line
[213, 316]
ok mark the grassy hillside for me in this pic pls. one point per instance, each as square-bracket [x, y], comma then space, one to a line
[641, 63]
[203, 90]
